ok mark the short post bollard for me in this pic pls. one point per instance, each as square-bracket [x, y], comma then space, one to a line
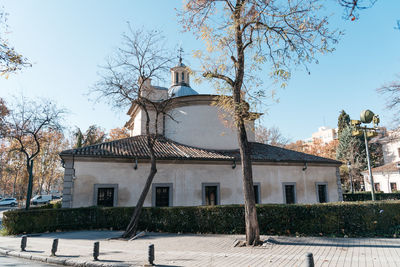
[54, 247]
[23, 242]
[151, 254]
[309, 260]
[96, 249]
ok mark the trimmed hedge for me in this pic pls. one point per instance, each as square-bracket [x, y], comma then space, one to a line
[331, 219]
[54, 204]
[366, 196]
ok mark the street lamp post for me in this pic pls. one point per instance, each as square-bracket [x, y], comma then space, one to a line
[367, 116]
[369, 166]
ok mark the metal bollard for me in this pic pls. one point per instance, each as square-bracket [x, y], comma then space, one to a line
[96, 249]
[151, 254]
[54, 247]
[309, 260]
[23, 242]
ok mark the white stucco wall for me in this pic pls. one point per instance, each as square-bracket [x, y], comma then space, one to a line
[137, 124]
[203, 126]
[187, 182]
[384, 180]
[391, 151]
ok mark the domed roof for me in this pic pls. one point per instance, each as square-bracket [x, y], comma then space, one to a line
[181, 90]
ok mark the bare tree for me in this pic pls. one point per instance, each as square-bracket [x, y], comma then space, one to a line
[352, 7]
[392, 93]
[10, 60]
[242, 37]
[271, 136]
[125, 80]
[25, 124]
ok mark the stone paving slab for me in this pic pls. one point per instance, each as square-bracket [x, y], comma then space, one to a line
[76, 248]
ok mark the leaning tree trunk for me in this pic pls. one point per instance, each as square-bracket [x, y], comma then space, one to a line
[133, 224]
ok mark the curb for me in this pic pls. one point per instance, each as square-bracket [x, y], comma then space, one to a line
[59, 261]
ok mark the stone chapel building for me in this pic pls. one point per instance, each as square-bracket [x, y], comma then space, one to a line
[198, 161]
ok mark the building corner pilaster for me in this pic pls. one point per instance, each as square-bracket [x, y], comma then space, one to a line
[68, 185]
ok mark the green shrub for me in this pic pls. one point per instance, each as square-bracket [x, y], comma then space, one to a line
[366, 196]
[330, 219]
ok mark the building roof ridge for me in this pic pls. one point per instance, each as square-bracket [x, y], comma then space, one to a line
[136, 147]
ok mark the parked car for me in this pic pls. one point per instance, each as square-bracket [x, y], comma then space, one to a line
[41, 199]
[8, 202]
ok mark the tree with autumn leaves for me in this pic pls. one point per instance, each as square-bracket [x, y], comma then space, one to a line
[47, 171]
[270, 136]
[243, 38]
[95, 135]
[316, 147]
[10, 60]
[24, 129]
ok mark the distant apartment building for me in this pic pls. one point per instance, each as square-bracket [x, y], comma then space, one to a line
[325, 134]
[391, 147]
[387, 177]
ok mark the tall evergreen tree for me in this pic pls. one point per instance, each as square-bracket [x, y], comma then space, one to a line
[349, 148]
[343, 121]
[93, 135]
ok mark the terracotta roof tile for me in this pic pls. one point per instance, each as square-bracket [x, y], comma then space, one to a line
[390, 167]
[136, 147]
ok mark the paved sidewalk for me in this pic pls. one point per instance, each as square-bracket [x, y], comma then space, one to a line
[206, 250]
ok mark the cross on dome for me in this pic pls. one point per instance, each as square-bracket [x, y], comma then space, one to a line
[180, 51]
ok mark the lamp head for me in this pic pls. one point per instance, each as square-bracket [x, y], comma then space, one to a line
[366, 116]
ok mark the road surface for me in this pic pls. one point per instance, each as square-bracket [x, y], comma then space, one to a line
[11, 261]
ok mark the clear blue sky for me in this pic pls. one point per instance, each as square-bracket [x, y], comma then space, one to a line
[67, 40]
